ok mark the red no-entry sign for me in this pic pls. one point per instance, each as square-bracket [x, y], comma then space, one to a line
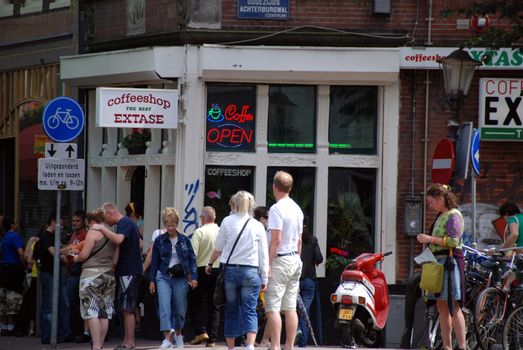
[443, 162]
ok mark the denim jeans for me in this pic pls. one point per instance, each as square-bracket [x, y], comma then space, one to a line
[46, 310]
[172, 301]
[307, 291]
[242, 288]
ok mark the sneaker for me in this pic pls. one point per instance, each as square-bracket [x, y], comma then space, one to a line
[166, 344]
[178, 341]
[200, 338]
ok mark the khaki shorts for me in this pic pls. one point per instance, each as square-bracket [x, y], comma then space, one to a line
[284, 284]
[10, 302]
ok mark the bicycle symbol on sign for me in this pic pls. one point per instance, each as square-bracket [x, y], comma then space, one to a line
[66, 118]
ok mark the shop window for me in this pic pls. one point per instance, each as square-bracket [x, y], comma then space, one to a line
[31, 6]
[6, 8]
[302, 192]
[292, 119]
[230, 118]
[350, 214]
[353, 114]
[221, 182]
[56, 4]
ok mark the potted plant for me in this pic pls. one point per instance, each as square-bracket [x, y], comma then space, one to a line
[349, 232]
[136, 141]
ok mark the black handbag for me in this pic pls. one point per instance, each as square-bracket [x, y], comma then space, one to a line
[175, 271]
[219, 289]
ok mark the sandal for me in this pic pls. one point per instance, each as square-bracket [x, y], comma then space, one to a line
[125, 347]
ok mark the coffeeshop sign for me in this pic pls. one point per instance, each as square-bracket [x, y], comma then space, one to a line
[136, 108]
[426, 58]
[500, 109]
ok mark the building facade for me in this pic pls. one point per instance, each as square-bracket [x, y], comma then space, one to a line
[326, 90]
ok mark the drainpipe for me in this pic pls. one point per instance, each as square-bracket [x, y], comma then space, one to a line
[426, 141]
[429, 25]
[427, 100]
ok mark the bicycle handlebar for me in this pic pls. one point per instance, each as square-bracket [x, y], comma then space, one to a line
[507, 249]
[470, 249]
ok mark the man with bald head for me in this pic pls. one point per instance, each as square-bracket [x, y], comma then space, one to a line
[206, 316]
[128, 269]
[286, 226]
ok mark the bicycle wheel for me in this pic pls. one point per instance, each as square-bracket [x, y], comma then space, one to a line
[513, 330]
[53, 121]
[436, 342]
[472, 342]
[72, 122]
[488, 315]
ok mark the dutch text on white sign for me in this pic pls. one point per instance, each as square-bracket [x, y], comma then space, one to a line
[61, 174]
[136, 108]
[501, 109]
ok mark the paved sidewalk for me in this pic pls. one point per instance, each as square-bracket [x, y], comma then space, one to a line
[33, 343]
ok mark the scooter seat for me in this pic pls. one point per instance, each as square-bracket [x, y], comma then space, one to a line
[353, 275]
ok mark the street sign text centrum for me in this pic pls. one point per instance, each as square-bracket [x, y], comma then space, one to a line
[500, 109]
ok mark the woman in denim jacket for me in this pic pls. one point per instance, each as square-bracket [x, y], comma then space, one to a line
[172, 271]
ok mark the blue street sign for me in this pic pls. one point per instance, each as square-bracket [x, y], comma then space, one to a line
[63, 119]
[474, 151]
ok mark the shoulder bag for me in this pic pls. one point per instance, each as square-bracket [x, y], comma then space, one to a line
[219, 289]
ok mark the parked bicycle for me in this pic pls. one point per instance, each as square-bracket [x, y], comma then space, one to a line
[61, 117]
[477, 278]
[497, 314]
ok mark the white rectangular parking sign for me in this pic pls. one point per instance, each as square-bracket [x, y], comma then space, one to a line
[61, 174]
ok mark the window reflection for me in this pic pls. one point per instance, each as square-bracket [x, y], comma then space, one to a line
[350, 216]
[353, 114]
[292, 119]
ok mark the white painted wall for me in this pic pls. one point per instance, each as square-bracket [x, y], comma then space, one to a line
[175, 174]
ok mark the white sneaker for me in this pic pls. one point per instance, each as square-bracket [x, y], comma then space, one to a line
[166, 344]
[178, 341]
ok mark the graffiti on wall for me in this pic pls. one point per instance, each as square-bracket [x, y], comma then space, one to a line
[492, 191]
[190, 213]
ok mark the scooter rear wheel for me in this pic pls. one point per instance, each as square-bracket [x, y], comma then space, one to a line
[346, 336]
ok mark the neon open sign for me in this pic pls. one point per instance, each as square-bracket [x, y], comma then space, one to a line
[230, 117]
[230, 127]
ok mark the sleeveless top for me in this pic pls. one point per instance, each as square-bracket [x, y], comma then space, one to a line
[103, 259]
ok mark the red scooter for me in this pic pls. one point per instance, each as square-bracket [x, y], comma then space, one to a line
[361, 302]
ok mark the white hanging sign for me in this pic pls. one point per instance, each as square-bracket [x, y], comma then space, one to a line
[136, 108]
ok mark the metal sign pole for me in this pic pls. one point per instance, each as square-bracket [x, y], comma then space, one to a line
[473, 183]
[56, 269]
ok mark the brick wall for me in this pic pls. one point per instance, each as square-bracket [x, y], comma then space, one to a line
[408, 16]
[501, 163]
[110, 18]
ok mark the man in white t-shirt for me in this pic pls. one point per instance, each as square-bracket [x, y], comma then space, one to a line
[286, 226]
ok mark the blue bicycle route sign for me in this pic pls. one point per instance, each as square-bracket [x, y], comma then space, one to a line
[63, 119]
